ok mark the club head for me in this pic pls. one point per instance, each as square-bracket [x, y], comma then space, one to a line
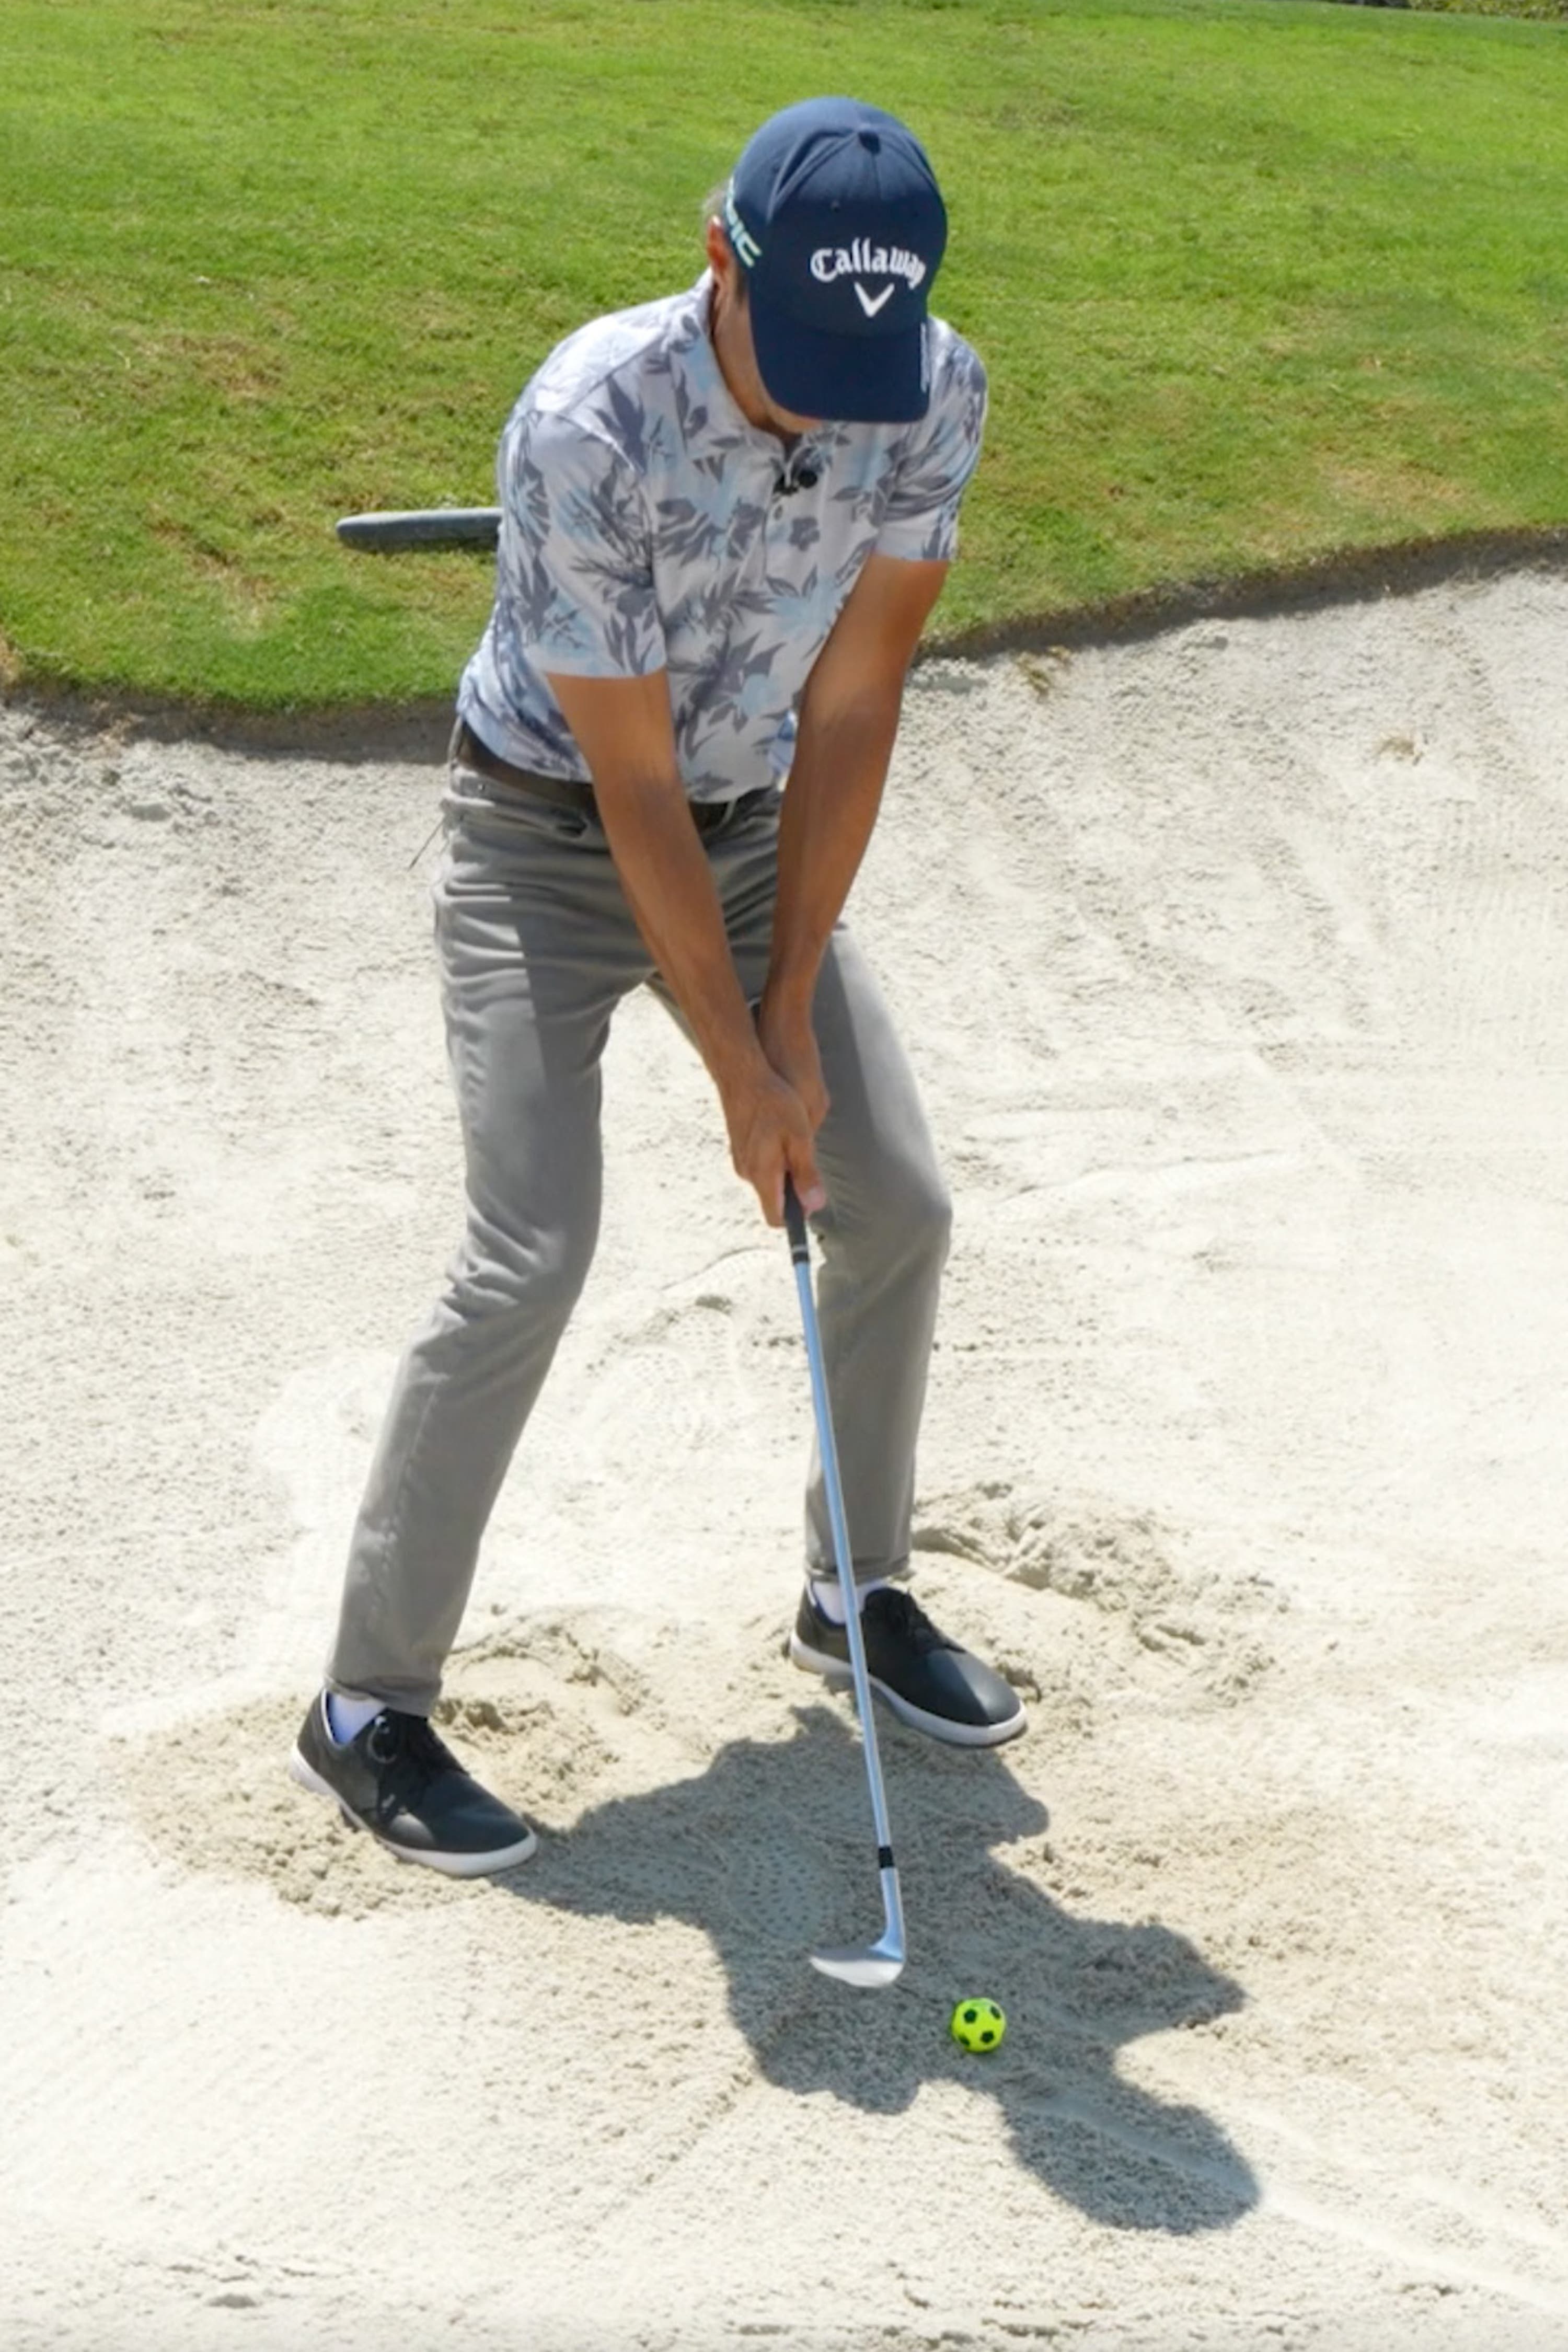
[869, 1964]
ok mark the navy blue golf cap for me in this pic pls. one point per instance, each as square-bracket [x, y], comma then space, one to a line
[836, 217]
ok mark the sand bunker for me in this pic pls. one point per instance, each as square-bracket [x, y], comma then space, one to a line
[1234, 965]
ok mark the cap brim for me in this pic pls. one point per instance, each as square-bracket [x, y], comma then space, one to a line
[841, 379]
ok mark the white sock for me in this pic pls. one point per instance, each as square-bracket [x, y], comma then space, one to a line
[829, 1595]
[347, 1717]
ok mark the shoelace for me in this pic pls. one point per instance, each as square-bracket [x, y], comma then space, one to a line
[903, 1617]
[409, 1745]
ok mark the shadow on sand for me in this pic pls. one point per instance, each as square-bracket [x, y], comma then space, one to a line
[770, 1851]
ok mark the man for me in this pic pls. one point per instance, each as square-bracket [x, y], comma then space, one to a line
[725, 518]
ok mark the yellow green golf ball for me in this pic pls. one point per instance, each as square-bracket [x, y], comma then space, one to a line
[978, 2024]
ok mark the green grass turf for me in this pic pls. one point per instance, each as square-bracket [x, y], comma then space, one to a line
[1256, 281]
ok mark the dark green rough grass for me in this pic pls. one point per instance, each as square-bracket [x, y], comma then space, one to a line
[1256, 279]
[1543, 11]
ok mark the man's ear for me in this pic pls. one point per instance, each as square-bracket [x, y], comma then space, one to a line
[720, 252]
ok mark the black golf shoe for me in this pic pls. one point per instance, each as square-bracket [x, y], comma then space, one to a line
[400, 1782]
[924, 1678]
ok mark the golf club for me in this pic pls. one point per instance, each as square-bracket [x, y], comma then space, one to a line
[857, 1964]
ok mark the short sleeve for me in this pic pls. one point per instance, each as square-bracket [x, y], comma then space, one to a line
[919, 522]
[575, 563]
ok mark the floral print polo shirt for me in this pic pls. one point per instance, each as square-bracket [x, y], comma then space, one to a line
[647, 525]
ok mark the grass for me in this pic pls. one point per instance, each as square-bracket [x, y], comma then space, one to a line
[1256, 281]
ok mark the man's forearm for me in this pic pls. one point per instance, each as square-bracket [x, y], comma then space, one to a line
[670, 887]
[830, 807]
[623, 727]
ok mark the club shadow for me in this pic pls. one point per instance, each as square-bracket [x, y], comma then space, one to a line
[769, 1850]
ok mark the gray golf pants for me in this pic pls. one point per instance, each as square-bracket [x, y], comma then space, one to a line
[537, 946]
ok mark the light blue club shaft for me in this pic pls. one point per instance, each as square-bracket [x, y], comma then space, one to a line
[857, 1964]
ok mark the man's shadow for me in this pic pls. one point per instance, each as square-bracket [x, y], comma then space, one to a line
[770, 1851]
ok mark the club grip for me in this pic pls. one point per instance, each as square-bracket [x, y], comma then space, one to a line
[794, 1222]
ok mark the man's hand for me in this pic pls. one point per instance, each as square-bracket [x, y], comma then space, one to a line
[785, 1033]
[770, 1139]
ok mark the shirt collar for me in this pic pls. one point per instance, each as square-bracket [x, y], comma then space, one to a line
[713, 423]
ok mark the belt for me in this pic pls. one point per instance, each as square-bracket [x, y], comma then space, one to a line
[565, 791]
